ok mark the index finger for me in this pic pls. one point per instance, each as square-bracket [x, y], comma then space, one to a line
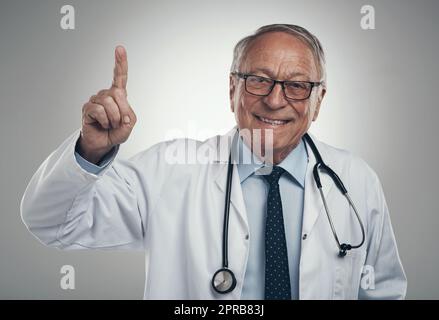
[120, 75]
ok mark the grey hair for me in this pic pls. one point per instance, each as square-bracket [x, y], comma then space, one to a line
[310, 40]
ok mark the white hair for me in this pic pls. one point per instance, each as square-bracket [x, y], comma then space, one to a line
[310, 40]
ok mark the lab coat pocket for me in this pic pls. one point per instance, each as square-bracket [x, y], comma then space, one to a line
[348, 275]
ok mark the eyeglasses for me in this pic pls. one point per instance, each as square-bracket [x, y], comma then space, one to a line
[261, 86]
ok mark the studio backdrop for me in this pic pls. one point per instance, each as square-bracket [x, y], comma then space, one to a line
[381, 104]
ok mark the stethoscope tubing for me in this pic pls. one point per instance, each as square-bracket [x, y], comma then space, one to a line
[343, 247]
[226, 214]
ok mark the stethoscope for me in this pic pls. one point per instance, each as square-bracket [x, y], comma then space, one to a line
[224, 281]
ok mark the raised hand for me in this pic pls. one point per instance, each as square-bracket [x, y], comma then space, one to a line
[107, 118]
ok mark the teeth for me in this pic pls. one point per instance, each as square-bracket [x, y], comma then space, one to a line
[273, 122]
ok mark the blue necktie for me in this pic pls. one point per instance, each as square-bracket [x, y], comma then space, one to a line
[277, 276]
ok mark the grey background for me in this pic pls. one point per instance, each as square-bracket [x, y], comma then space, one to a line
[381, 104]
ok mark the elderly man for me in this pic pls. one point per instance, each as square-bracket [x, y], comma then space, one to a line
[279, 227]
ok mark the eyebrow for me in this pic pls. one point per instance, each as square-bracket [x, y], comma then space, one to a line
[270, 73]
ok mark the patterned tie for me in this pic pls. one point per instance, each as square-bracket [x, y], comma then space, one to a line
[277, 277]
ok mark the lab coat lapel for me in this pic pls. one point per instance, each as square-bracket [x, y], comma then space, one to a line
[313, 204]
[236, 197]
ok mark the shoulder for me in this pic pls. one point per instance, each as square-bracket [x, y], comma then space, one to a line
[359, 178]
[349, 164]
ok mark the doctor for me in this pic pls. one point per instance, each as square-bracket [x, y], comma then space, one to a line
[280, 242]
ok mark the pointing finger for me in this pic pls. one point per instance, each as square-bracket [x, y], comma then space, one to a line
[120, 76]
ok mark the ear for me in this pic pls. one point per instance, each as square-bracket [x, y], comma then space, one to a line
[232, 88]
[322, 93]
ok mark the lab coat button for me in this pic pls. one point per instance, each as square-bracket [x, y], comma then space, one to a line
[246, 237]
[304, 236]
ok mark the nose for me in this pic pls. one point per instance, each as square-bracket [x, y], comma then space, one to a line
[276, 99]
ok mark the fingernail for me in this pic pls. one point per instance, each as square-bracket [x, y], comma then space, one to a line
[126, 119]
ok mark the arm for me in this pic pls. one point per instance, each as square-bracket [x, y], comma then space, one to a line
[383, 264]
[68, 205]
[70, 208]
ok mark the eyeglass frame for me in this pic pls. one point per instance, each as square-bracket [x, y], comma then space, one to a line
[282, 83]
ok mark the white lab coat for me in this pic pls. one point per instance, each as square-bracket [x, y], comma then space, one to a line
[175, 213]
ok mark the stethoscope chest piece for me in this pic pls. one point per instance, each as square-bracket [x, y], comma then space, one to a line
[223, 281]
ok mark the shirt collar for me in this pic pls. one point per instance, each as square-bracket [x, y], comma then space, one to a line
[295, 163]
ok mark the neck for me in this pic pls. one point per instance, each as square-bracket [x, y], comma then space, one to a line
[274, 156]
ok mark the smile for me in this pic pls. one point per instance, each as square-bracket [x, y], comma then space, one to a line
[273, 122]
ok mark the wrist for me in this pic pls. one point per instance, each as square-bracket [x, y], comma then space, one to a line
[92, 155]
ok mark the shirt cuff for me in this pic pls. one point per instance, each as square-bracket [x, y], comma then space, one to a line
[101, 165]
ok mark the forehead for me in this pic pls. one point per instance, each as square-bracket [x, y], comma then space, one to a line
[281, 53]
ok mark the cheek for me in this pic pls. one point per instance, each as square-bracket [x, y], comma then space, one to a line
[306, 110]
[303, 110]
[244, 105]
[313, 102]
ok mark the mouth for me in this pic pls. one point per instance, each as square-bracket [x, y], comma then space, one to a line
[272, 122]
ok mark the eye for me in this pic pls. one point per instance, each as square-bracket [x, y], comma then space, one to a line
[296, 85]
[259, 80]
